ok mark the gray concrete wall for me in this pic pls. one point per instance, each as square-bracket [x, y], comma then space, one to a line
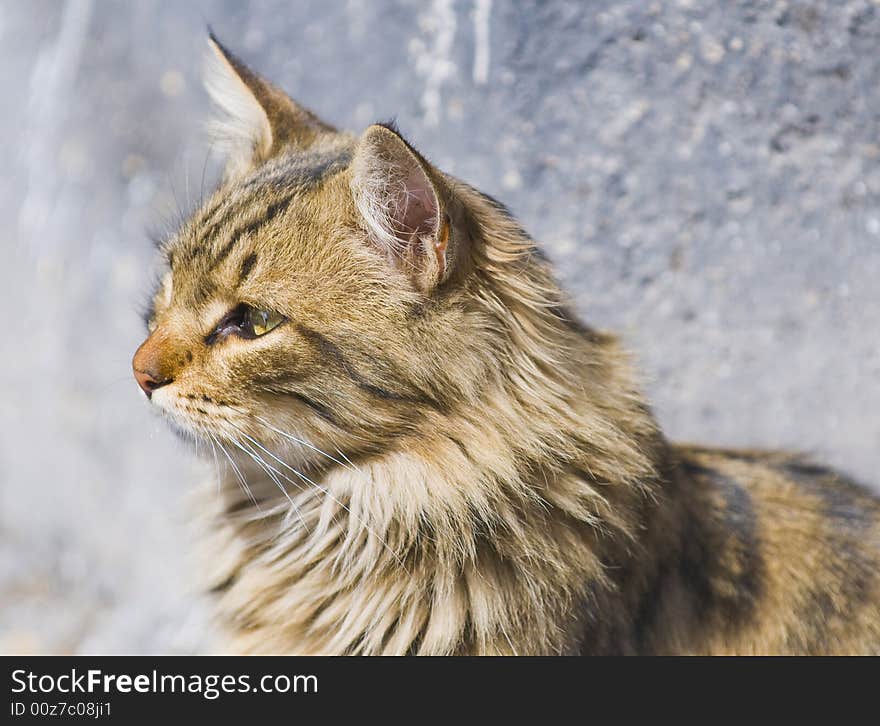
[705, 174]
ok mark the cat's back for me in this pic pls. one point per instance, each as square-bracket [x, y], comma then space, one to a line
[783, 555]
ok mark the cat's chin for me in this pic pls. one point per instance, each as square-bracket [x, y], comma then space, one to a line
[193, 440]
[196, 437]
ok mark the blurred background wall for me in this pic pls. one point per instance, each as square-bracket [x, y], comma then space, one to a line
[705, 174]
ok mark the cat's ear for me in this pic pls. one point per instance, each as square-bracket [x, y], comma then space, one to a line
[404, 204]
[257, 120]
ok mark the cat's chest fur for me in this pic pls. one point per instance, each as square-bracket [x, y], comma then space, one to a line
[355, 563]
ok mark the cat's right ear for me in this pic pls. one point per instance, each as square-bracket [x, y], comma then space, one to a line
[406, 207]
[257, 120]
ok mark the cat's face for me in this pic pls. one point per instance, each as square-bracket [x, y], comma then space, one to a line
[312, 301]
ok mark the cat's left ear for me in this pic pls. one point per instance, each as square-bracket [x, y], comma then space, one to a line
[405, 204]
[257, 119]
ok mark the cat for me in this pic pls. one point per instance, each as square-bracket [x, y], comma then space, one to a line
[424, 450]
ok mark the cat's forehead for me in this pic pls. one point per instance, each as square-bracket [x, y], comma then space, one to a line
[281, 233]
[287, 190]
[303, 169]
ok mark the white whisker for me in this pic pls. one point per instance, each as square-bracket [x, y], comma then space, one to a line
[351, 463]
[271, 472]
[238, 473]
[216, 462]
[287, 435]
[305, 443]
[326, 491]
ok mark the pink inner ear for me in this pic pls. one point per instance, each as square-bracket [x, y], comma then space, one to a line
[419, 213]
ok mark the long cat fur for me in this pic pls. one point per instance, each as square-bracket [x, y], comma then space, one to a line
[432, 455]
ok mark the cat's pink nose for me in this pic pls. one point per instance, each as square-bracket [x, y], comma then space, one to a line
[148, 369]
[149, 382]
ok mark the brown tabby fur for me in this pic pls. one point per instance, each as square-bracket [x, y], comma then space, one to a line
[492, 480]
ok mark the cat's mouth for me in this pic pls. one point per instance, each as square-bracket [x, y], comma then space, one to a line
[240, 434]
[189, 418]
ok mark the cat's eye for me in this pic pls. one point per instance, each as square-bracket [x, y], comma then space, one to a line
[259, 322]
[245, 321]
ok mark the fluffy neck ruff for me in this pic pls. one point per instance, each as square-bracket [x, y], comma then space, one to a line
[508, 526]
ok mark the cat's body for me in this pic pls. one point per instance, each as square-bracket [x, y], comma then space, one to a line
[438, 457]
[748, 553]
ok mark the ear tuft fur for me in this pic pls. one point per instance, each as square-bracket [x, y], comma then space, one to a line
[398, 199]
[242, 131]
[257, 119]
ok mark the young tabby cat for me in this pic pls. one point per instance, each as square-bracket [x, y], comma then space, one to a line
[428, 453]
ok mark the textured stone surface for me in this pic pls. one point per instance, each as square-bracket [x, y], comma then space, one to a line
[705, 174]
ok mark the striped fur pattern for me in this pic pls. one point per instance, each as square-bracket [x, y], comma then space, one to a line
[432, 455]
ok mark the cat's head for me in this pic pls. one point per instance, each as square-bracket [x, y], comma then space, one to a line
[324, 296]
